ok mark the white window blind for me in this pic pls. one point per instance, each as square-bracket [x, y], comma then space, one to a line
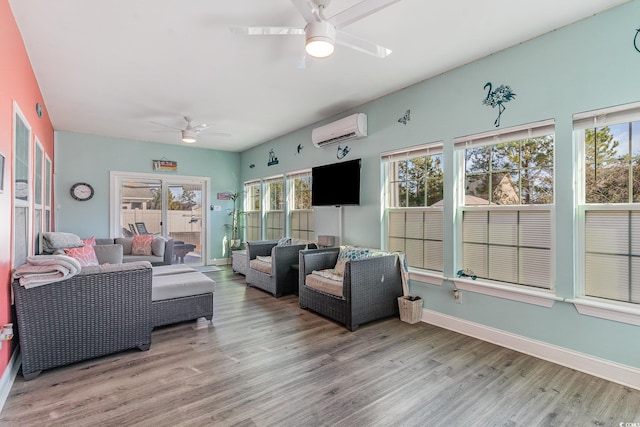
[508, 245]
[516, 133]
[412, 152]
[607, 116]
[418, 233]
[612, 254]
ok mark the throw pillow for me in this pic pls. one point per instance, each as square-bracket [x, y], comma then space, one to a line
[349, 253]
[142, 244]
[91, 241]
[85, 255]
[285, 241]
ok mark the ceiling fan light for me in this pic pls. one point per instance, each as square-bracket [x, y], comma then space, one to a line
[320, 39]
[188, 136]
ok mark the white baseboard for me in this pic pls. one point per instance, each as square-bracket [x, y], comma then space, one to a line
[9, 376]
[611, 371]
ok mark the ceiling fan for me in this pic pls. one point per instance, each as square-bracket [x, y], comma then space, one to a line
[190, 132]
[322, 33]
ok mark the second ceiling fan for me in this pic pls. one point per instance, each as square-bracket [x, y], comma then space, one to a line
[323, 33]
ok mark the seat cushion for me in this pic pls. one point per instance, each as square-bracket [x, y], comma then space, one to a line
[180, 285]
[163, 270]
[261, 266]
[322, 284]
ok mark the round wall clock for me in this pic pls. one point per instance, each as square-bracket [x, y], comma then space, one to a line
[81, 191]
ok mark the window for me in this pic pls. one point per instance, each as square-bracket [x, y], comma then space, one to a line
[252, 204]
[300, 209]
[414, 190]
[38, 205]
[47, 193]
[21, 188]
[609, 145]
[506, 208]
[274, 212]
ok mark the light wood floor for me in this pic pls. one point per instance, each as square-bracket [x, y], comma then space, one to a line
[266, 362]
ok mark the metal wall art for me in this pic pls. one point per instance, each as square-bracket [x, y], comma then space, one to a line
[342, 152]
[273, 160]
[404, 119]
[497, 98]
[636, 41]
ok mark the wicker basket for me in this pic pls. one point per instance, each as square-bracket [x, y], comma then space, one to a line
[410, 310]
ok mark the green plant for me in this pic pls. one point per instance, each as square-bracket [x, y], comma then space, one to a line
[236, 224]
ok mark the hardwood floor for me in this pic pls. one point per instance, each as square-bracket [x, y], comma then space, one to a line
[266, 362]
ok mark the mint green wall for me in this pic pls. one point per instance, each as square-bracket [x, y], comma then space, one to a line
[91, 158]
[591, 64]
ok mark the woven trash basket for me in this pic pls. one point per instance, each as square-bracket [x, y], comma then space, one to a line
[410, 308]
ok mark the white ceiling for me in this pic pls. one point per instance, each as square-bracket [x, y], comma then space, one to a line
[112, 67]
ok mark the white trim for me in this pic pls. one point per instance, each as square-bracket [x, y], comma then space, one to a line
[9, 375]
[426, 276]
[607, 310]
[622, 374]
[540, 297]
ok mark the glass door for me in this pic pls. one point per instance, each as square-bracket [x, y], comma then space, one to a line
[170, 208]
[184, 222]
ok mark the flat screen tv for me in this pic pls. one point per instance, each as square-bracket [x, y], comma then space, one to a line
[337, 184]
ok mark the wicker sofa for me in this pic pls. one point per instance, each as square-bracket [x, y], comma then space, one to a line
[277, 276]
[162, 250]
[368, 291]
[101, 310]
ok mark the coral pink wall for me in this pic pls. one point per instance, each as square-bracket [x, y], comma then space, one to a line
[17, 83]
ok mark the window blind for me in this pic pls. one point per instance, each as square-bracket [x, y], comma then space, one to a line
[412, 152]
[607, 116]
[516, 133]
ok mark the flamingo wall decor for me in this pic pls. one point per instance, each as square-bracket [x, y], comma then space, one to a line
[497, 98]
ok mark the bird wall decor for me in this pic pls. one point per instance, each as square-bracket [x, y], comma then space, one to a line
[497, 98]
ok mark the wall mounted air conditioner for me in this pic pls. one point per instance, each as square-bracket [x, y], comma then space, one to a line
[351, 127]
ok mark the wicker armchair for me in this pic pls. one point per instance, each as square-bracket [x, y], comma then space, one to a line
[283, 279]
[101, 310]
[370, 287]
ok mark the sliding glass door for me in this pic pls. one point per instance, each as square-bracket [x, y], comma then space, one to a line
[166, 205]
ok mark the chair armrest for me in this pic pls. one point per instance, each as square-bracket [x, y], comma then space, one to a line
[168, 252]
[283, 257]
[260, 248]
[377, 275]
[317, 259]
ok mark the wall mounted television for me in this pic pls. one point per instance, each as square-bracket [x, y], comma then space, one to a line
[337, 184]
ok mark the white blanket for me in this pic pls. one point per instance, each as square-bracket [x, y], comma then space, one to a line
[44, 269]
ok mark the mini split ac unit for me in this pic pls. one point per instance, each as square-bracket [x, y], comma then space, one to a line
[351, 127]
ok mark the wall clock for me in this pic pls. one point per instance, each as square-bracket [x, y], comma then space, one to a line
[81, 191]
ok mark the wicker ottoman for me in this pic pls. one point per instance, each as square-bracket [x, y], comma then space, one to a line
[180, 297]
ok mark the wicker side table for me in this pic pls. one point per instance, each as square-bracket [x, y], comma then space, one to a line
[239, 261]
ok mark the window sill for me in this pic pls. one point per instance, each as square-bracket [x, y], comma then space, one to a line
[541, 298]
[618, 312]
[426, 276]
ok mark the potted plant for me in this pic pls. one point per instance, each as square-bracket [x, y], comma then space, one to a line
[234, 227]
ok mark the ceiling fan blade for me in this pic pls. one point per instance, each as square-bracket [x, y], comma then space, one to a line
[359, 11]
[163, 125]
[308, 9]
[270, 31]
[221, 134]
[361, 45]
